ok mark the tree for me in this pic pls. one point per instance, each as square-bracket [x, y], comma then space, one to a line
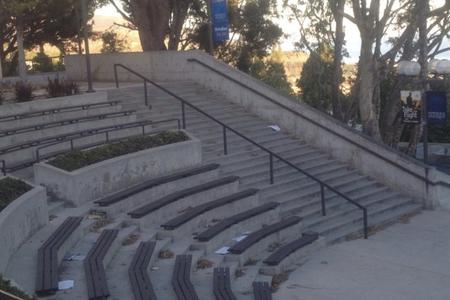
[111, 42]
[272, 73]
[157, 20]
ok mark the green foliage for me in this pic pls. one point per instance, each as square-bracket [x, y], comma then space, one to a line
[2, 99]
[10, 190]
[42, 63]
[79, 159]
[111, 42]
[316, 79]
[272, 73]
[24, 91]
[57, 88]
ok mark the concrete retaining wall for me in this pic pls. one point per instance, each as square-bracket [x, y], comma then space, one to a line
[20, 220]
[387, 166]
[91, 182]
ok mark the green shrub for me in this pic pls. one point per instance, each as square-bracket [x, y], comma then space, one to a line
[2, 99]
[24, 91]
[57, 88]
[5, 285]
[42, 63]
[10, 190]
[79, 159]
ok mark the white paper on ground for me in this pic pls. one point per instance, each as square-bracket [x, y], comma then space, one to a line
[223, 250]
[75, 257]
[66, 284]
[275, 127]
[239, 238]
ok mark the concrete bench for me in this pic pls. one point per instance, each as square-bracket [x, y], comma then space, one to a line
[139, 279]
[68, 136]
[213, 231]
[262, 291]
[122, 195]
[181, 278]
[47, 263]
[256, 236]
[200, 209]
[171, 198]
[47, 125]
[222, 285]
[44, 112]
[93, 265]
[275, 258]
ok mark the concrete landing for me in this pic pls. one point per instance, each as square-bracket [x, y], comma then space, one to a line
[406, 261]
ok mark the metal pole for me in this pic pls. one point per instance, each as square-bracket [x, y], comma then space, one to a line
[225, 146]
[86, 45]
[322, 198]
[210, 28]
[183, 115]
[425, 127]
[271, 168]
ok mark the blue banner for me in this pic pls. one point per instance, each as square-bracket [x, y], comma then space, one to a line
[219, 11]
[437, 107]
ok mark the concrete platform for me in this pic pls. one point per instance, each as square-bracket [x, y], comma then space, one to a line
[406, 261]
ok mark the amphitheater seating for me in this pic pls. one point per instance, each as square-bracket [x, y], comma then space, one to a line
[44, 112]
[275, 258]
[47, 263]
[262, 291]
[222, 285]
[168, 199]
[256, 236]
[139, 279]
[228, 222]
[93, 265]
[181, 278]
[122, 195]
[41, 126]
[200, 209]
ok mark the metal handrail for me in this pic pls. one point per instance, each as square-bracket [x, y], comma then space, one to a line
[107, 138]
[136, 74]
[272, 155]
[44, 112]
[47, 125]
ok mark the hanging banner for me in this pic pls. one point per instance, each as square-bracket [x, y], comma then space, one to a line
[437, 107]
[411, 106]
[219, 11]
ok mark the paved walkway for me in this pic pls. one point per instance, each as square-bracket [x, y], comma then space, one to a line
[406, 261]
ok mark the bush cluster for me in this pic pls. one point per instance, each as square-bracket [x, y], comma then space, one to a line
[24, 91]
[61, 88]
[5, 285]
[79, 159]
[10, 190]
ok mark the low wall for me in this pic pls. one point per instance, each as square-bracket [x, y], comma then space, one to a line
[91, 182]
[34, 79]
[389, 167]
[52, 103]
[20, 220]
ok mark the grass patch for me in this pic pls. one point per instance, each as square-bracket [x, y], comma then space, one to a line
[5, 285]
[10, 190]
[79, 159]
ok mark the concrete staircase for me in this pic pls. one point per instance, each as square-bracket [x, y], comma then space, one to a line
[297, 194]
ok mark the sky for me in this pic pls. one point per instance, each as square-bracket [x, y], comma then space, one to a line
[353, 41]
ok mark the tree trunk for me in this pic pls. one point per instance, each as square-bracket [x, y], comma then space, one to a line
[367, 88]
[152, 20]
[21, 51]
[180, 10]
[338, 12]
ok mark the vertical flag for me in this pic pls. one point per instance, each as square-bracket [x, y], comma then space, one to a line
[219, 10]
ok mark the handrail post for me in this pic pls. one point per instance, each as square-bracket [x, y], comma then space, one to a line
[366, 225]
[183, 115]
[37, 155]
[145, 93]
[116, 77]
[225, 146]
[3, 167]
[322, 199]
[71, 144]
[271, 168]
